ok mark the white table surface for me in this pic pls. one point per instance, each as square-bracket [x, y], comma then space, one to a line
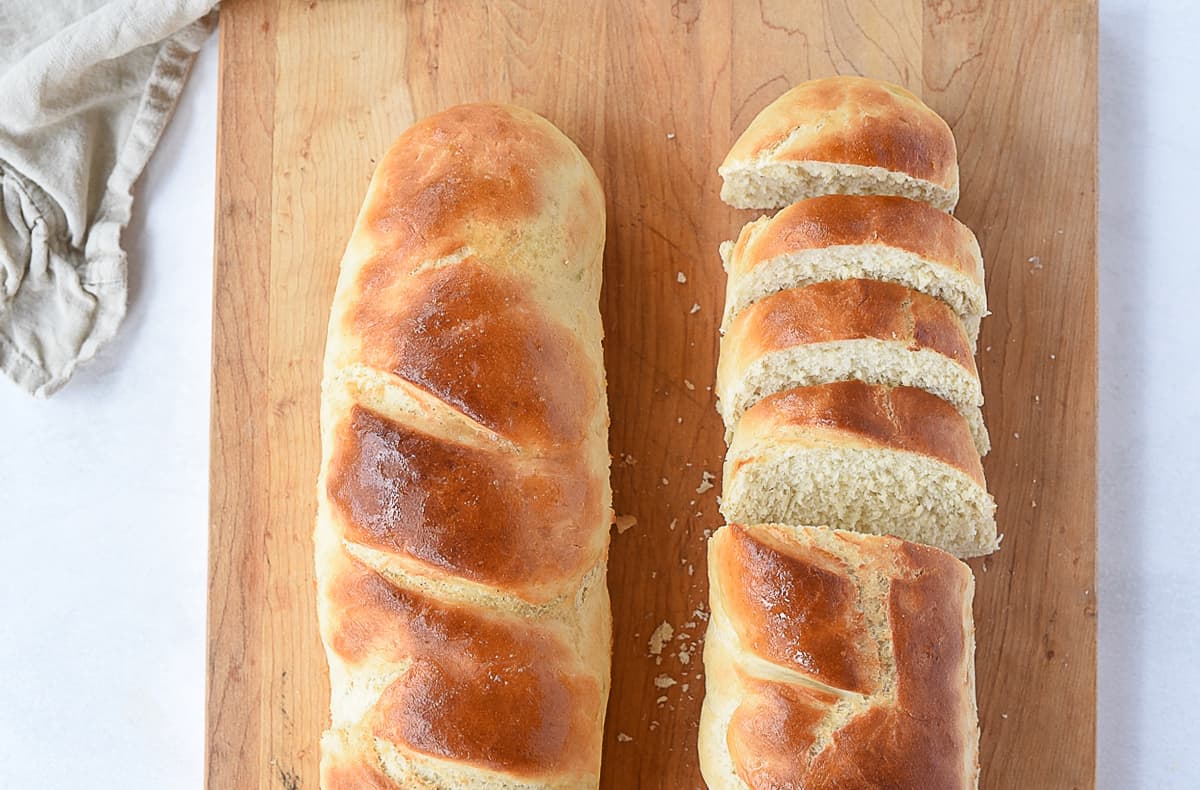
[104, 486]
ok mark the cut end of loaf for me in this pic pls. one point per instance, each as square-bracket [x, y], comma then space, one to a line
[750, 282]
[869, 360]
[773, 185]
[873, 491]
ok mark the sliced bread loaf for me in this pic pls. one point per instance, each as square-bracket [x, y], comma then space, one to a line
[876, 332]
[883, 460]
[839, 237]
[842, 135]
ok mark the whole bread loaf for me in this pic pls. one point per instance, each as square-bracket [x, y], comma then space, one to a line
[464, 500]
[836, 660]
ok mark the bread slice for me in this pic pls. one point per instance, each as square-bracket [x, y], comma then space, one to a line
[871, 331]
[855, 456]
[839, 237]
[837, 660]
[842, 135]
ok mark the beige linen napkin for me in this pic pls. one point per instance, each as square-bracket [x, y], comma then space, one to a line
[86, 87]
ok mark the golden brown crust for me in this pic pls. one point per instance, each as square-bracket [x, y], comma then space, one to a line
[479, 688]
[799, 612]
[917, 729]
[848, 220]
[775, 726]
[472, 338]
[854, 413]
[462, 509]
[473, 162]
[465, 464]
[847, 310]
[855, 121]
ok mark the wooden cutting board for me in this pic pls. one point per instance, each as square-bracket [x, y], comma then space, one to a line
[654, 93]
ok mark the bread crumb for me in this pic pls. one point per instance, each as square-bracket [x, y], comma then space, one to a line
[664, 681]
[1034, 501]
[1016, 435]
[680, 277]
[661, 636]
[692, 569]
[665, 481]
[625, 523]
[1035, 261]
[706, 481]
[689, 384]
[695, 308]
[623, 738]
[987, 348]
[685, 657]
[653, 726]
[661, 700]
[684, 687]
[674, 521]
[1053, 356]
[679, 420]
[670, 135]
[1004, 715]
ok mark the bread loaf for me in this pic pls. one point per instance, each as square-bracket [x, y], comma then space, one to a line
[846, 136]
[882, 460]
[464, 502]
[836, 661]
[871, 331]
[844, 659]
[837, 237]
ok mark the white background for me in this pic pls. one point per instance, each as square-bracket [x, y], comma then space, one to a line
[103, 488]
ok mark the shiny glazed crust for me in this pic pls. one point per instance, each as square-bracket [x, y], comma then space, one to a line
[464, 501]
[837, 660]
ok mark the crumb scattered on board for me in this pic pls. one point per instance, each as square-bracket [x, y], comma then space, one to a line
[706, 481]
[624, 523]
[660, 637]
[680, 277]
[664, 681]
[695, 308]
[623, 738]
[689, 384]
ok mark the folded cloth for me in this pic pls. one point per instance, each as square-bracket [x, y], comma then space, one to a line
[86, 87]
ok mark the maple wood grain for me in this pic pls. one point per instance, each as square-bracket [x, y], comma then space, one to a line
[654, 94]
